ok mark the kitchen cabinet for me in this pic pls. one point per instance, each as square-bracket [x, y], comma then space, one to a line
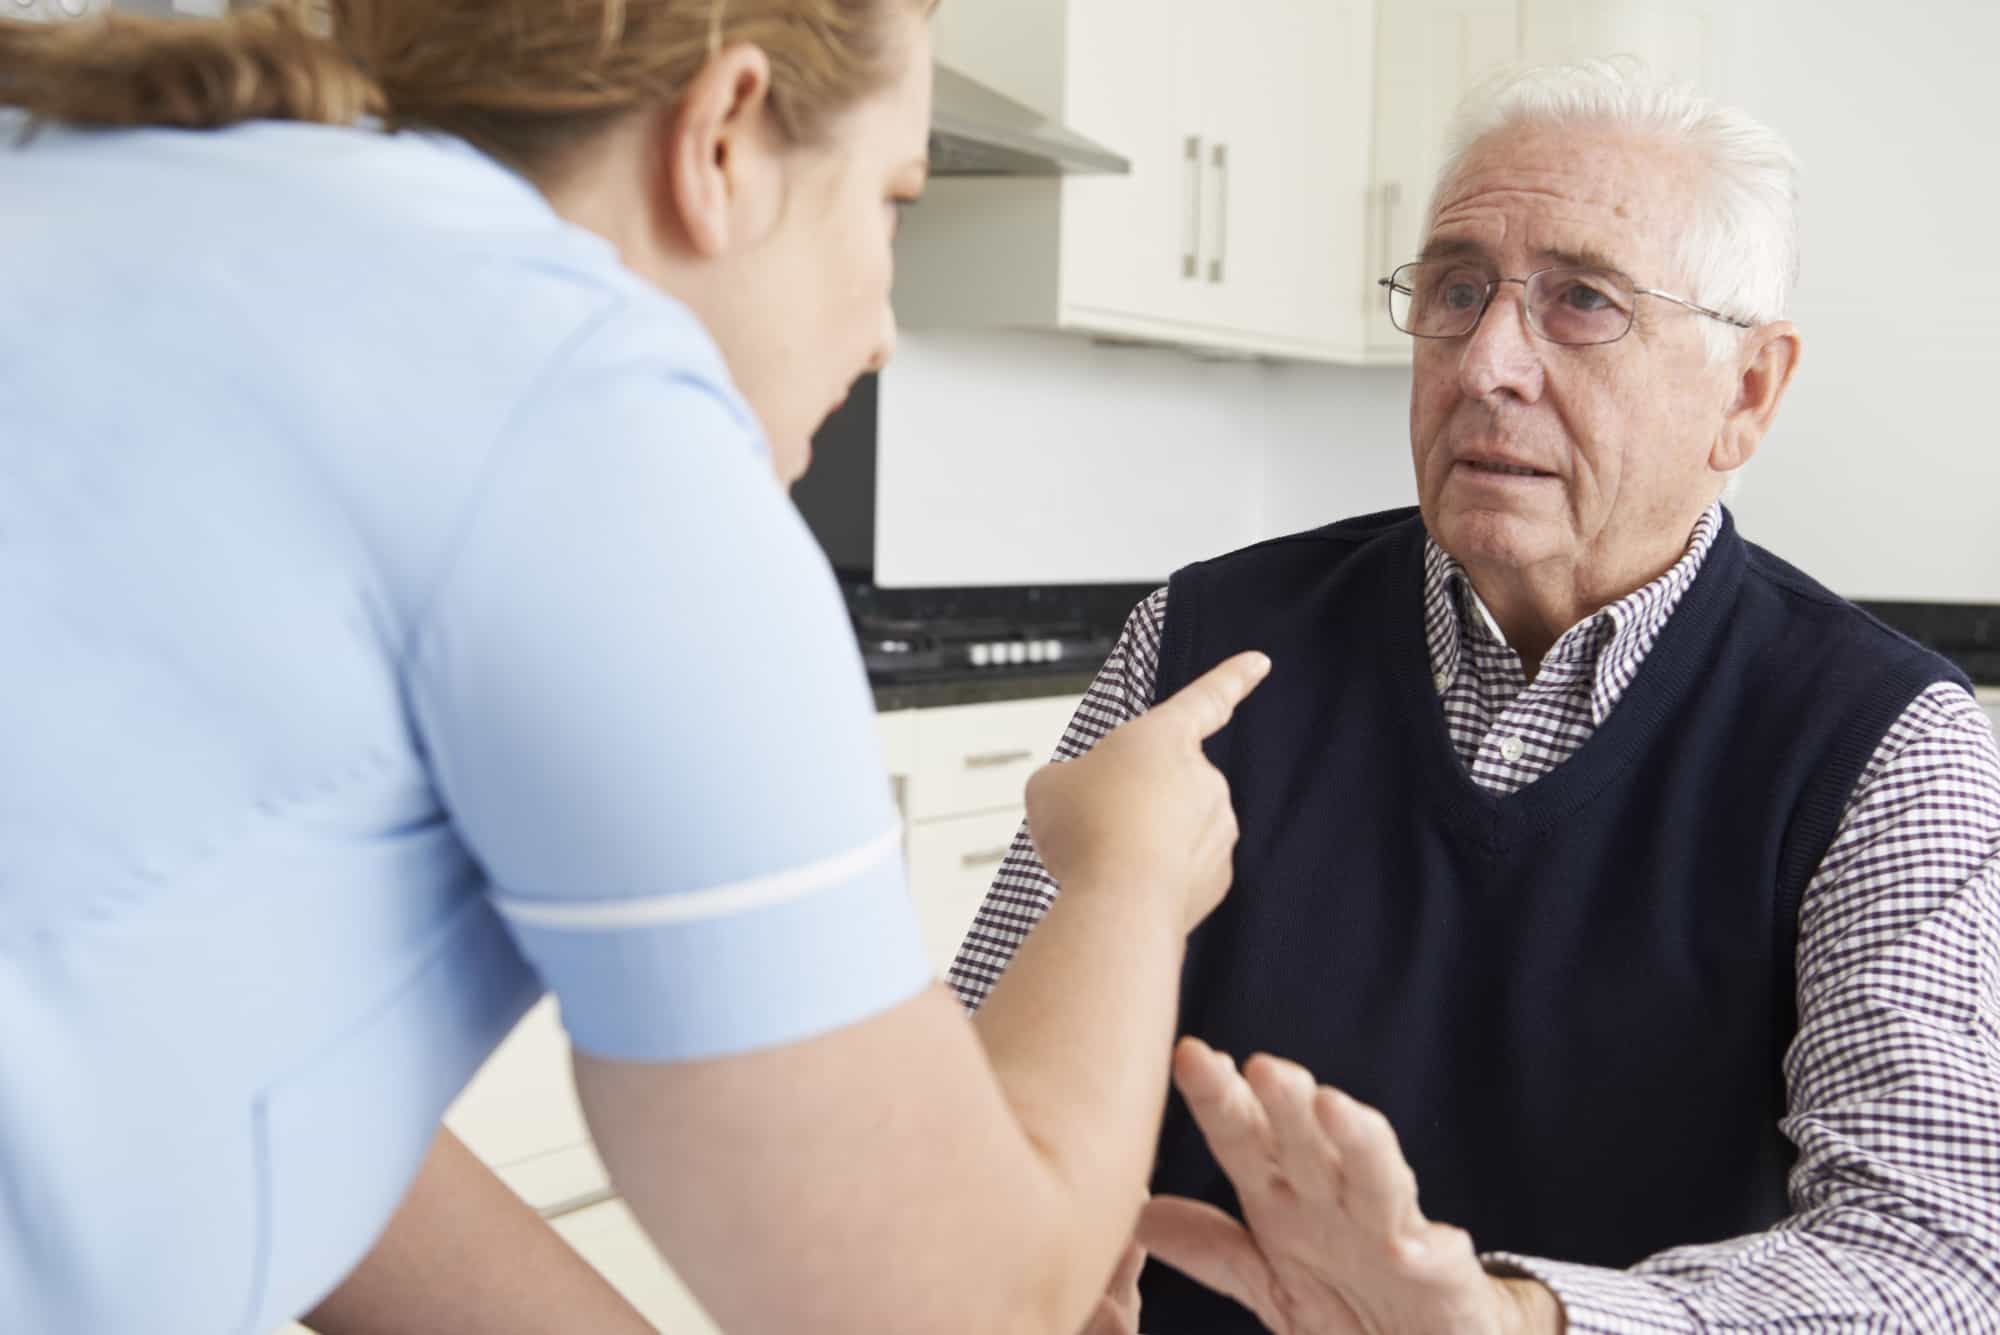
[970, 758]
[1283, 154]
[963, 804]
[954, 861]
[1428, 55]
[520, 1115]
[1240, 226]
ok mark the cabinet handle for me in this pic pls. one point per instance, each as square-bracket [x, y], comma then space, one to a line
[1391, 200]
[995, 759]
[1191, 224]
[992, 857]
[1221, 161]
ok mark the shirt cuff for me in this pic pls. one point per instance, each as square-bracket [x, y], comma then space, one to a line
[1597, 1301]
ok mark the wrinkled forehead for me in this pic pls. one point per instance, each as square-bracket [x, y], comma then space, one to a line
[1525, 197]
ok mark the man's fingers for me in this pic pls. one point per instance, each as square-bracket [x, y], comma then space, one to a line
[1207, 702]
[1231, 1119]
[1209, 1248]
[1380, 1188]
[1305, 1154]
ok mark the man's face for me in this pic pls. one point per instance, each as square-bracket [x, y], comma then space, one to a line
[1617, 437]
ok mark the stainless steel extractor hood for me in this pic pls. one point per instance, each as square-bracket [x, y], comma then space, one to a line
[976, 131]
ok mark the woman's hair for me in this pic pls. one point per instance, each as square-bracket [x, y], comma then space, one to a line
[526, 80]
[1741, 255]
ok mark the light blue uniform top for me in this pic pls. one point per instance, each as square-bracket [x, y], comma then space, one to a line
[398, 615]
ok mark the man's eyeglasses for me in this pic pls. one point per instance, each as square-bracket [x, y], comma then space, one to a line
[1566, 304]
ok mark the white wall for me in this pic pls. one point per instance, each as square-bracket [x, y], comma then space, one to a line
[1883, 475]
[1013, 458]
[1016, 458]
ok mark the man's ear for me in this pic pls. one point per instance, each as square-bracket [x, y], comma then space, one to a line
[1764, 368]
[721, 176]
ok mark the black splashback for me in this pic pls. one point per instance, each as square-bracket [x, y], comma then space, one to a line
[1966, 633]
[837, 494]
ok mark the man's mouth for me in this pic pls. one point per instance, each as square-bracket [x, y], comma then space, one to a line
[1496, 468]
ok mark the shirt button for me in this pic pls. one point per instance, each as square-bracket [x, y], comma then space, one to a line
[1440, 681]
[1511, 749]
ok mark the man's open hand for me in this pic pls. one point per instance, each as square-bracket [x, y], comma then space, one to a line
[1331, 1241]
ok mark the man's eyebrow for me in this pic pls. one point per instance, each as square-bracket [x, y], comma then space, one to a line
[1451, 248]
[1579, 257]
[1583, 257]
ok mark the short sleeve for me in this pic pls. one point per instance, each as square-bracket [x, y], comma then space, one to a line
[641, 700]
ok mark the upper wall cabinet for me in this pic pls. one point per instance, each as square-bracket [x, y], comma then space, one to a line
[1282, 152]
[1429, 54]
[1240, 226]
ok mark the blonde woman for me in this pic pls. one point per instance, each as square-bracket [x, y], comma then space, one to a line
[404, 615]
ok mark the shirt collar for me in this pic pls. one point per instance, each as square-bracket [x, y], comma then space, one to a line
[1614, 640]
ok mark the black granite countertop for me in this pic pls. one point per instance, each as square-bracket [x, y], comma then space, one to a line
[985, 688]
[1967, 633]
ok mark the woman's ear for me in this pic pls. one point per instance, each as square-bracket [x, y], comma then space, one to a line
[720, 152]
[1769, 357]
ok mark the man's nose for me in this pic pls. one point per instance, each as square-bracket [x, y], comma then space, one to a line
[1500, 354]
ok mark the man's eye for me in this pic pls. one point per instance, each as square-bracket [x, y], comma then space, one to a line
[1584, 297]
[1462, 296]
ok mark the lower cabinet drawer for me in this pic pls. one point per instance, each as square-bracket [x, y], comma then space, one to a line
[609, 1237]
[980, 757]
[952, 863]
[521, 1117]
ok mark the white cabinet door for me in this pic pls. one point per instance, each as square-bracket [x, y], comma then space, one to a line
[610, 1239]
[1428, 55]
[1237, 229]
[1131, 244]
[951, 868]
[1288, 107]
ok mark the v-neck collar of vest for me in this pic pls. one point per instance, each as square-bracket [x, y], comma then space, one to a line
[1664, 679]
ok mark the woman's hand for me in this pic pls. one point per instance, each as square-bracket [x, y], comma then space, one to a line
[1118, 1310]
[1145, 808]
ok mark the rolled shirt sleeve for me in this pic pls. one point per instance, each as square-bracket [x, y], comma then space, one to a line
[644, 707]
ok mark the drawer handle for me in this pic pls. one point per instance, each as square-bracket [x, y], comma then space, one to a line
[995, 759]
[992, 857]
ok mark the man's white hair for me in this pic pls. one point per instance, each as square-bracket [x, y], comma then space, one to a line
[1741, 255]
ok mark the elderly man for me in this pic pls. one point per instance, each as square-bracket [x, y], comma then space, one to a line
[1650, 892]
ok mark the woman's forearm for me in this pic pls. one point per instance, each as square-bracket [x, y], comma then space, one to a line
[465, 1256]
[1079, 1032]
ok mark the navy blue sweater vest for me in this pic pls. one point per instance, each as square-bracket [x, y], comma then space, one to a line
[1573, 1003]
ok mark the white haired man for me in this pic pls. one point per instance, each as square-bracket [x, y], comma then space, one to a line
[1641, 897]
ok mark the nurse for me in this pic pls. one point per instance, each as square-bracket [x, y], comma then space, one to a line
[403, 614]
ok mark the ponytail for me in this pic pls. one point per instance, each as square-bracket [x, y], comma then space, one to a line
[265, 63]
[524, 80]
